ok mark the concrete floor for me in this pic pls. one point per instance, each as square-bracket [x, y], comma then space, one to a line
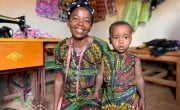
[160, 98]
[157, 98]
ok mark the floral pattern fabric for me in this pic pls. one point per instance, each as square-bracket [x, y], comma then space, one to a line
[47, 8]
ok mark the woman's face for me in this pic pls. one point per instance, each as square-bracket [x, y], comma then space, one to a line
[79, 23]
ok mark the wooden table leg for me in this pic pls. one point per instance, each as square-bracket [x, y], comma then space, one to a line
[178, 81]
[39, 87]
[43, 82]
[43, 86]
[35, 88]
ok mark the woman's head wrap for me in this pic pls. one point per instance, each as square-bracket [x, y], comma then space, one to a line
[80, 3]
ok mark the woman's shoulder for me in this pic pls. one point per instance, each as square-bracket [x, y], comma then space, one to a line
[100, 44]
[111, 55]
[99, 40]
[62, 42]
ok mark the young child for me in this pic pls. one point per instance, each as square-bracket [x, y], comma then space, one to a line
[123, 80]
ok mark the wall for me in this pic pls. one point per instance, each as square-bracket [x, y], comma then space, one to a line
[164, 22]
[16, 8]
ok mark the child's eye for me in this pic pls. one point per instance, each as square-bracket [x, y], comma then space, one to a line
[115, 37]
[126, 37]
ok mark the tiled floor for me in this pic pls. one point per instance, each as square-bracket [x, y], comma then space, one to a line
[157, 98]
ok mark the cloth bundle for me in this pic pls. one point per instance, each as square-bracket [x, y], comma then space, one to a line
[161, 46]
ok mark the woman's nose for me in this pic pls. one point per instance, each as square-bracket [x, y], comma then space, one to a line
[80, 22]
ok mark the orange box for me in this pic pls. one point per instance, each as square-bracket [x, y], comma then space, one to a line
[20, 54]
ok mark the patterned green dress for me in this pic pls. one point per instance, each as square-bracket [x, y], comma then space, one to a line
[89, 69]
[119, 93]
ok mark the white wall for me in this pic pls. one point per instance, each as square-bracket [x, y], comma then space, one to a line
[164, 22]
[16, 8]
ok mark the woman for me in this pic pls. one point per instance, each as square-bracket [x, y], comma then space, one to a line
[78, 59]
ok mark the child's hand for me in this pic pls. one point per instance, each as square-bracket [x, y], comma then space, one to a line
[141, 104]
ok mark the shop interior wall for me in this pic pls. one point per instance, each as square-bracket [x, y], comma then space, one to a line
[164, 22]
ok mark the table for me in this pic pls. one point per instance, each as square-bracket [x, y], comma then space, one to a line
[173, 56]
[20, 55]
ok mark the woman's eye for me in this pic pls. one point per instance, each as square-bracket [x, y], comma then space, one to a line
[87, 21]
[74, 18]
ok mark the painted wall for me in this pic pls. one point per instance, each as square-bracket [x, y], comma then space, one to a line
[164, 22]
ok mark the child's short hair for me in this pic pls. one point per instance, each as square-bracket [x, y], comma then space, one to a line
[116, 23]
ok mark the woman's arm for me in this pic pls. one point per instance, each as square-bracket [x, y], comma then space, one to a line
[58, 83]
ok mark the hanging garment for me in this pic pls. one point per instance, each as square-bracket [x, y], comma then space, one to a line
[100, 10]
[132, 12]
[100, 7]
[120, 4]
[47, 8]
[111, 7]
[62, 6]
[145, 12]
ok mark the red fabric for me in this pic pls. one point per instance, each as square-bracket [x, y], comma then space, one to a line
[111, 7]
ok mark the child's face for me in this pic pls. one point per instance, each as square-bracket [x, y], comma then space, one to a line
[80, 22]
[120, 37]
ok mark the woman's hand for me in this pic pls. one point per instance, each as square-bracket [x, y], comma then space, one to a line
[94, 96]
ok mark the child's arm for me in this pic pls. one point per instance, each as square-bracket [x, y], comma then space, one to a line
[140, 84]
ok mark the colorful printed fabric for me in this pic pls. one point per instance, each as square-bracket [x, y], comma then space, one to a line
[47, 8]
[111, 7]
[100, 7]
[32, 33]
[120, 92]
[120, 4]
[89, 69]
[62, 6]
[100, 10]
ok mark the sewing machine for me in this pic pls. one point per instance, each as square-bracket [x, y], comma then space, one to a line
[19, 21]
